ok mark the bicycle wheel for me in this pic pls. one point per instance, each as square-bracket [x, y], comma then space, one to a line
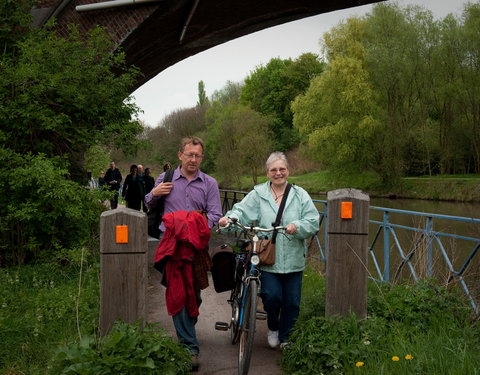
[236, 300]
[247, 330]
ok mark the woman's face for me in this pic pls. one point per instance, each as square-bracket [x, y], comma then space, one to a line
[277, 172]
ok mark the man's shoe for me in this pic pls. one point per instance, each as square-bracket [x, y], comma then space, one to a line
[195, 362]
[272, 337]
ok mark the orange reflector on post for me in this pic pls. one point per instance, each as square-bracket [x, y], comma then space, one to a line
[121, 234]
[346, 210]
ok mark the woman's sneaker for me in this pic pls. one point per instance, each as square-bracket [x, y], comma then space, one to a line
[272, 337]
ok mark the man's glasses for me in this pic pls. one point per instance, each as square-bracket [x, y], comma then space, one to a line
[193, 156]
[275, 170]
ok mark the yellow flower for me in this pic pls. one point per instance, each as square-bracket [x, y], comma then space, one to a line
[359, 364]
[409, 357]
[395, 358]
[305, 275]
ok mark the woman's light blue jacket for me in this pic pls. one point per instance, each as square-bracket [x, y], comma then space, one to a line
[259, 207]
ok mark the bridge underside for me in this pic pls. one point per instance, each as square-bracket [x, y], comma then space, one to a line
[157, 34]
[182, 28]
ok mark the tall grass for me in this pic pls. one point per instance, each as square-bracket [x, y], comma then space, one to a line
[43, 306]
[410, 329]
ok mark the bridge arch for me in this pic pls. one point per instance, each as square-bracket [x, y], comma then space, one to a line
[156, 34]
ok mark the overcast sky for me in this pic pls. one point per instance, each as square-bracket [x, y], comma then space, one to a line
[177, 86]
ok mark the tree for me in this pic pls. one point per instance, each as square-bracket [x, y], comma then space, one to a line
[60, 96]
[202, 95]
[270, 90]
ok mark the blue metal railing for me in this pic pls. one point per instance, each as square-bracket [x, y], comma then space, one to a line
[427, 241]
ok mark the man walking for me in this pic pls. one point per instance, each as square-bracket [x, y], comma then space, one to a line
[190, 190]
[113, 179]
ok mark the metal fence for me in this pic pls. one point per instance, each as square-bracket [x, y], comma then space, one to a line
[412, 251]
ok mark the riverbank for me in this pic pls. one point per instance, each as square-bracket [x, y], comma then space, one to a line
[460, 188]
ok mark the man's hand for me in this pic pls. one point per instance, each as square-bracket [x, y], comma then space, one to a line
[164, 188]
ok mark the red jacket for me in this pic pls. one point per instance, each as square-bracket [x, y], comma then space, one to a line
[185, 232]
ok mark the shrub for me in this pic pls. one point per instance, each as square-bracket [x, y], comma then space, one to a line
[41, 209]
[127, 349]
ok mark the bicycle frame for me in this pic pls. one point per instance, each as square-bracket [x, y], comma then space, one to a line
[243, 298]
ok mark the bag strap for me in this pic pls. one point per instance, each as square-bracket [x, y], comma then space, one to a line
[280, 211]
[160, 204]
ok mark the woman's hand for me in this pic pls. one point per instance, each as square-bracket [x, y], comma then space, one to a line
[291, 229]
[163, 188]
[223, 221]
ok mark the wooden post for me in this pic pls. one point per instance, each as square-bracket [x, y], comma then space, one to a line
[123, 267]
[347, 271]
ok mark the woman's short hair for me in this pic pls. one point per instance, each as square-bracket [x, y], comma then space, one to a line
[274, 156]
[193, 140]
[132, 167]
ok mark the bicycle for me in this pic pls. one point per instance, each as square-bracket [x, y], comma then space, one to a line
[243, 298]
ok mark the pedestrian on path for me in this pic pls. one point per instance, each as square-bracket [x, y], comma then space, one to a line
[113, 179]
[190, 190]
[282, 282]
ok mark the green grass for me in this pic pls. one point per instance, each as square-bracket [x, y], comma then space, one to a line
[464, 188]
[410, 329]
[53, 308]
[39, 305]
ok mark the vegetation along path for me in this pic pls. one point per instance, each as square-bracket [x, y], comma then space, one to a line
[217, 355]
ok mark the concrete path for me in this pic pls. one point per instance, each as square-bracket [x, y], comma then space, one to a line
[217, 355]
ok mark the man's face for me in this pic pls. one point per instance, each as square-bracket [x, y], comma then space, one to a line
[112, 165]
[191, 157]
[140, 169]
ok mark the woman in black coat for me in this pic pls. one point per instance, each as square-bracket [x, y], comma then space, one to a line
[149, 181]
[133, 189]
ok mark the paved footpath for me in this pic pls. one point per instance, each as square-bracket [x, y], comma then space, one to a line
[217, 355]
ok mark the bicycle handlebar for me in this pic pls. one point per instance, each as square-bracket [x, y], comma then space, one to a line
[234, 221]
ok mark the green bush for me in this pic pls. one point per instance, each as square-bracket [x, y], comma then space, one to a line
[41, 209]
[127, 349]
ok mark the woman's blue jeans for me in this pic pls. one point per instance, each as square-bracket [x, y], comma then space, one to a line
[281, 294]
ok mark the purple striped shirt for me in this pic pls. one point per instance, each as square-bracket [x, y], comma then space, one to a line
[201, 193]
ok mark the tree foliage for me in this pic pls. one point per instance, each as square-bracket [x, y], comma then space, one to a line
[60, 96]
[41, 210]
[270, 90]
[399, 95]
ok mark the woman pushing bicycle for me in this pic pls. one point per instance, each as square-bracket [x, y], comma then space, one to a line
[281, 283]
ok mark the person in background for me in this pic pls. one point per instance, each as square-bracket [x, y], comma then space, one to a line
[189, 190]
[281, 283]
[113, 178]
[141, 177]
[149, 181]
[92, 183]
[133, 190]
[101, 180]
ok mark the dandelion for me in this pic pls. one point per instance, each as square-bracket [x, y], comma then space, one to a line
[395, 358]
[305, 274]
[359, 364]
[409, 357]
